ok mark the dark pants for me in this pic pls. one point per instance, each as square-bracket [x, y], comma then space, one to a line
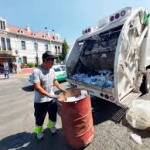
[41, 110]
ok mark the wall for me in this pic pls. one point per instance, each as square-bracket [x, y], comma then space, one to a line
[30, 51]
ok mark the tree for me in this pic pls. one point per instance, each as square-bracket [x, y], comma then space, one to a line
[65, 48]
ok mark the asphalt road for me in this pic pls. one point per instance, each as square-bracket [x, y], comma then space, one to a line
[17, 122]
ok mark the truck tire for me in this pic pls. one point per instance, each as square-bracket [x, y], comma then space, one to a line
[145, 86]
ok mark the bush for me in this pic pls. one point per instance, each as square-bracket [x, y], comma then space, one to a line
[31, 65]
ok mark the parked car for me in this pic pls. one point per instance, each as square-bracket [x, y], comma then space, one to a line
[60, 73]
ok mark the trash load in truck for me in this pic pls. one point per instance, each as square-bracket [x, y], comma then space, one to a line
[103, 79]
[96, 61]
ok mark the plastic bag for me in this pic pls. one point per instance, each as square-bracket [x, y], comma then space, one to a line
[138, 116]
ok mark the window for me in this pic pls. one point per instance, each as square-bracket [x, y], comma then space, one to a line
[63, 68]
[3, 43]
[20, 60]
[56, 49]
[46, 47]
[35, 45]
[8, 44]
[57, 69]
[23, 44]
[2, 25]
[24, 60]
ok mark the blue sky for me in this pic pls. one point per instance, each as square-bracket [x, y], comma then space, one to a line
[67, 17]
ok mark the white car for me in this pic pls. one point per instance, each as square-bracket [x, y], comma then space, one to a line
[60, 72]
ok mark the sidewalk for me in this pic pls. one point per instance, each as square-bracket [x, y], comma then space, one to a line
[25, 72]
[10, 76]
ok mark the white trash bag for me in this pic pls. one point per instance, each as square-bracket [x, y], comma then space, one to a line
[138, 116]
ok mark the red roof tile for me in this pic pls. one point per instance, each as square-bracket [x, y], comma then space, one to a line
[29, 33]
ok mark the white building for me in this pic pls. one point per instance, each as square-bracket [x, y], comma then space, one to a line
[25, 46]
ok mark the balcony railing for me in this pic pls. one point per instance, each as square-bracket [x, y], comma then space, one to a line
[6, 52]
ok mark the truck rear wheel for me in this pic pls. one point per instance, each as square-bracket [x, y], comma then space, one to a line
[145, 86]
[147, 80]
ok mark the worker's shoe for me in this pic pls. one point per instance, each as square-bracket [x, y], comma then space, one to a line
[53, 130]
[51, 126]
[40, 136]
[38, 130]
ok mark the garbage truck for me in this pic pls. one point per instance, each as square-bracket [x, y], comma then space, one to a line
[112, 59]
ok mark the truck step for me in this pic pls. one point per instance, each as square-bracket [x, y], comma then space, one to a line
[119, 114]
[128, 100]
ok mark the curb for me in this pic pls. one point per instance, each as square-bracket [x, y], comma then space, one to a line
[22, 75]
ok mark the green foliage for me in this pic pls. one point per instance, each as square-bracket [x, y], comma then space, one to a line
[65, 48]
[146, 18]
[31, 65]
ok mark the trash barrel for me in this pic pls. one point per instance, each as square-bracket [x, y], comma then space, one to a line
[77, 120]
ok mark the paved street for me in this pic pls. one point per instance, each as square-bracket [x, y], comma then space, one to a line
[17, 121]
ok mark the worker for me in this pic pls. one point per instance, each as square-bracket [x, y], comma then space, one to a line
[45, 100]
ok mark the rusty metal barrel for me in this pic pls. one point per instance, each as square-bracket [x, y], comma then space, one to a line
[77, 120]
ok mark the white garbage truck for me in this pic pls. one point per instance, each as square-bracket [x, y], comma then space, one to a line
[112, 60]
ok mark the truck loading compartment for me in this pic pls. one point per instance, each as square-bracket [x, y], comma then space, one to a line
[109, 61]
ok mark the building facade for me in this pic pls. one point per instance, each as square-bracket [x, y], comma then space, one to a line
[23, 46]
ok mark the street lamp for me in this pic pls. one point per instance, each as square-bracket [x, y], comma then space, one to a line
[36, 50]
[47, 32]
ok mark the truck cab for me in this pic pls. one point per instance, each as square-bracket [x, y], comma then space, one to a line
[112, 59]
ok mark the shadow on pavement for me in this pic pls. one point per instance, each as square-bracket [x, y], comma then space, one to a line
[29, 88]
[142, 133]
[27, 141]
[103, 110]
